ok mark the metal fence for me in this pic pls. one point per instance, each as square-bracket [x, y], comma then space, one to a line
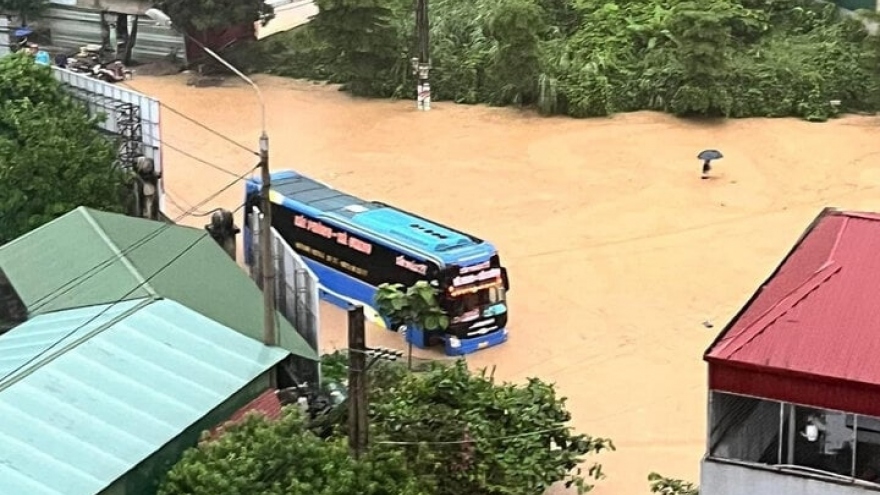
[129, 115]
[296, 291]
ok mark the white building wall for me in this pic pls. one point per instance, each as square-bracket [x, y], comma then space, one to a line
[721, 478]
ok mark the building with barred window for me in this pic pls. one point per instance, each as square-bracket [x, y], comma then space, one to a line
[794, 379]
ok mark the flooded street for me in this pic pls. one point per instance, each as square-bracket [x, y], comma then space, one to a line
[617, 251]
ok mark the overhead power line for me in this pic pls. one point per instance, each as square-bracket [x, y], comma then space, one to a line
[77, 281]
[206, 128]
[104, 311]
[200, 125]
[200, 160]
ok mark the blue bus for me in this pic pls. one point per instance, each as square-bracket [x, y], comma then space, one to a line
[353, 246]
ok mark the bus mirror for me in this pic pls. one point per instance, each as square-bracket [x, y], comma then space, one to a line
[504, 279]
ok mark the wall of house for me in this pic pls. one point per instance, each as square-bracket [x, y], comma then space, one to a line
[147, 476]
[720, 478]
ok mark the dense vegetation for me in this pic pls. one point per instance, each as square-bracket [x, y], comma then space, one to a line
[53, 158]
[285, 458]
[443, 431]
[200, 15]
[585, 58]
[26, 10]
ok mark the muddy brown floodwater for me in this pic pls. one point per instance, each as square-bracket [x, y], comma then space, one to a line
[617, 251]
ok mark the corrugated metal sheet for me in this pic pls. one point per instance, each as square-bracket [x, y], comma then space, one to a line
[5, 35]
[106, 398]
[836, 395]
[204, 279]
[105, 98]
[819, 314]
[71, 28]
[158, 42]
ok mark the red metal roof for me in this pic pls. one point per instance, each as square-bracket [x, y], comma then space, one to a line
[266, 404]
[818, 316]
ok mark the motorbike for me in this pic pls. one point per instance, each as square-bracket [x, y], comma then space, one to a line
[89, 62]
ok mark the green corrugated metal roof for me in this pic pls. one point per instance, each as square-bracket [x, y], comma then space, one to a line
[83, 409]
[45, 260]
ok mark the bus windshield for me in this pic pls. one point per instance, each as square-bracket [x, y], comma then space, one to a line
[467, 302]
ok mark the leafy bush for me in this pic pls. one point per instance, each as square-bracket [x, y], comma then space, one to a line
[584, 58]
[442, 431]
[284, 457]
[669, 486]
[480, 437]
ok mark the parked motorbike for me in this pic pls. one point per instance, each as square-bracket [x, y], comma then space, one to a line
[89, 62]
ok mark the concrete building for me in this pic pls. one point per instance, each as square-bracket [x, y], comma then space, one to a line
[794, 379]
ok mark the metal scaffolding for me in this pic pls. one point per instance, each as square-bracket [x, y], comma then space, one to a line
[129, 128]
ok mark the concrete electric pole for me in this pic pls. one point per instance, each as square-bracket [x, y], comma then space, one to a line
[422, 64]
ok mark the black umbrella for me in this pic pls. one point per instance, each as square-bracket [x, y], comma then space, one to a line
[709, 155]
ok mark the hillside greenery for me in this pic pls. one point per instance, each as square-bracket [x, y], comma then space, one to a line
[586, 58]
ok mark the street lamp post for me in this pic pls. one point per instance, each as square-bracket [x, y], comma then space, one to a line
[266, 257]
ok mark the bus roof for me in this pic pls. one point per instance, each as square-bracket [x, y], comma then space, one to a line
[318, 199]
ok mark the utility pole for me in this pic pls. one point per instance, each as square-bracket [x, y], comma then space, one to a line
[266, 260]
[422, 64]
[357, 386]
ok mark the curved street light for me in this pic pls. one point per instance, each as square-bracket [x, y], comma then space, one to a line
[266, 256]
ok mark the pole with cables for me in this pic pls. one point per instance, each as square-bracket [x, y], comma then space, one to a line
[267, 259]
[422, 64]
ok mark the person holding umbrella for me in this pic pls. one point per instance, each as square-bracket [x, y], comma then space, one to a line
[707, 156]
[23, 38]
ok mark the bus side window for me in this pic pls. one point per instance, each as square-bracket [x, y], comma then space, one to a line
[505, 280]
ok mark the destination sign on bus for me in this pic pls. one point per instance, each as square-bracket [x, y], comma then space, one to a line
[493, 273]
[474, 268]
[410, 265]
[323, 230]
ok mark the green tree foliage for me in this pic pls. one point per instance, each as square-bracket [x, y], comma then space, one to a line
[479, 437]
[199, 15]
[26, 10]
[441, 431]
[362, 36]
[52, 156]
[416, 305]
[283, 457]
[669, 486]
[515, 28]
[737, 58]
